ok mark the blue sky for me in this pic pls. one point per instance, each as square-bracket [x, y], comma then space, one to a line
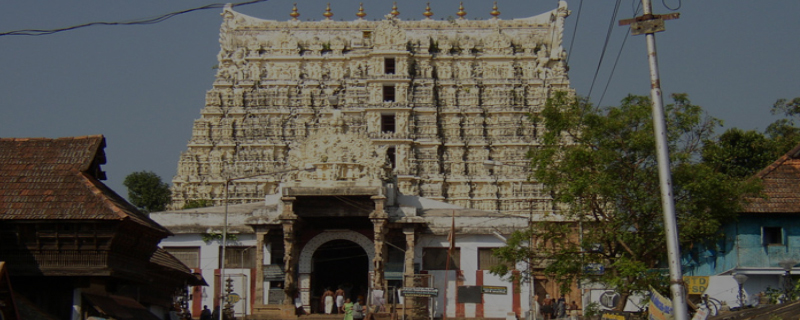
[143, 86]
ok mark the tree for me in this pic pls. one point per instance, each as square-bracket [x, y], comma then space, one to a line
[784, 132]
[600, 166]
[740, 153]
[147, 192]
[201, 203]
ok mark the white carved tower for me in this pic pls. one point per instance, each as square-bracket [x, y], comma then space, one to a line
[427, 101]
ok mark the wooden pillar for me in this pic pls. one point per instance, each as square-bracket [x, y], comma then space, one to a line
[380, 222]
[290, 256]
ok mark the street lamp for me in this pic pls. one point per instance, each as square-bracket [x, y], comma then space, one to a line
[787, 266]
[308, 168]
[740, 279]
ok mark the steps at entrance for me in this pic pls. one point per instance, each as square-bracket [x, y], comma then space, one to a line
[321, 317]
[303, 317]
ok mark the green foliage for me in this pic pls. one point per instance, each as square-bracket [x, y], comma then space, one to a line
[784, 132]
[778, 295]
[592, 309]
[600, 166]
[147, 192]
[217, 236]
[201, 203]
[740, 153]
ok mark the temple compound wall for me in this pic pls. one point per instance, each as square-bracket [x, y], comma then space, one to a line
[436, 98]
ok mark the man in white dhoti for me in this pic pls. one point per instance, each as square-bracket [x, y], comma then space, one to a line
[327, 299]
[340, 299]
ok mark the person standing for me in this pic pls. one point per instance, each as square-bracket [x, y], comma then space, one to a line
[347, 309]
[573, 311]
[547, 307]
[358, 308]
[298, 305]
[561, 307]
[215, 313]
[339, 300]
[205, 314]
[327, 300]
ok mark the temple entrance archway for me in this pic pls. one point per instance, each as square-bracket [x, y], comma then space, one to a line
[332, 258]
[340, 263]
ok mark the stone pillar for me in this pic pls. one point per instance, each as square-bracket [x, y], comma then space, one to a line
[261, 233]
[409, 258]
[291, 254]
[380, 222]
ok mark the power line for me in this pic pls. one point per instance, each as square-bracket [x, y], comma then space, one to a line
[605, 45]
[599, 102]
[41, 32]
[680, 3]
[574, 31]
[611, 75]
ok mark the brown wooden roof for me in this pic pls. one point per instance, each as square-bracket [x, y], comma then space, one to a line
[781, 183]
[163, 258]
[59, 179]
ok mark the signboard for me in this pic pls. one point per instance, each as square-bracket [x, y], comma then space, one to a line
[494, 290]
[273, 272]
[420, 292]
[594, 268]
[469, 294]
[233, 298]
[695, 285]
[660, 307]
[612, 315]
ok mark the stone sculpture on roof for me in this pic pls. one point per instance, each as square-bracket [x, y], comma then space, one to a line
[437, 98]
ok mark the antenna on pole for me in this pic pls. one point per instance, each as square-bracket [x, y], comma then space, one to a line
[648, 24]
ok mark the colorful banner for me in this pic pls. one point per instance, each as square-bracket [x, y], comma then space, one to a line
[660, 307]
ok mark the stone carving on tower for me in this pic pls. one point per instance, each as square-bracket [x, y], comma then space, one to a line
[421, 103]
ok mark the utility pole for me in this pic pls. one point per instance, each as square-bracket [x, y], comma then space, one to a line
[649, 24]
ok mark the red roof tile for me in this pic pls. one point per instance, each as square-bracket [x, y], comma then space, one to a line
[781, 183]
[59, 179]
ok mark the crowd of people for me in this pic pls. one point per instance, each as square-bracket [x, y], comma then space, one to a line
[555, 308]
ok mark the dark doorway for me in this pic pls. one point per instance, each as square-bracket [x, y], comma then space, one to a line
[340, 263]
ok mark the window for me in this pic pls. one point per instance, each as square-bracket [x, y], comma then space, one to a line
[436, 259]
[771, 236]
[190, 256]
[240, 257]
[388, 66]
[388, 93]
[366, 34]
[486, 260]
[391, 154]
[387, 123]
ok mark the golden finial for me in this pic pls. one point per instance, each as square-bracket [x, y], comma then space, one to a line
[394, 10]
[361, 14]
[294, 13]
[428, 12]
[328, 14]
[494, 12]
[461, 13]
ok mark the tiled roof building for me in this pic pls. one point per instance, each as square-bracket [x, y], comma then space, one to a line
[64, 235]
[781, 183]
